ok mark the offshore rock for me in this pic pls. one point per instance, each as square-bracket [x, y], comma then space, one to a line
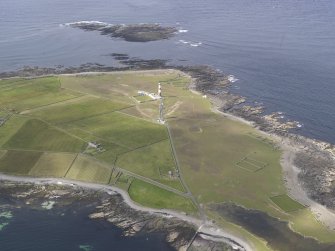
[130, 33]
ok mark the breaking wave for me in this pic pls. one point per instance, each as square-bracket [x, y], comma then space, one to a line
[232, 79]
[86, 23]
[193, 44]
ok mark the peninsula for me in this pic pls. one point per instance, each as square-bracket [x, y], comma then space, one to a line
[100, 130]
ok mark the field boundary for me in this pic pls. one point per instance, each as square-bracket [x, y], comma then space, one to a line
[298, 205]
[259, 165]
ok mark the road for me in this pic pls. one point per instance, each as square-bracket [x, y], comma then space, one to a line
[188, 191]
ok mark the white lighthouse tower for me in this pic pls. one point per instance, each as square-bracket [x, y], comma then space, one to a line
[159, 90]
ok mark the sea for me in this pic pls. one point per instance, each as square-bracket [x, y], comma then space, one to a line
[66, 228]
[281, 51]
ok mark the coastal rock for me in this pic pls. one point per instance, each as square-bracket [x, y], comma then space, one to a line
[200, 244]
[317, 176]
[275, 120]
[130, 33]
[252, 110]
[97, 215]
[172, 236]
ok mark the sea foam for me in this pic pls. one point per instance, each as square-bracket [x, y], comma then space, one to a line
[84, 22]
[192, 44]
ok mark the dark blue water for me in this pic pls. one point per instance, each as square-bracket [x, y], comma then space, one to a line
[38, 230]
[283, 51]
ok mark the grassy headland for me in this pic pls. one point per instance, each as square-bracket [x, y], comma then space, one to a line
[197, 159]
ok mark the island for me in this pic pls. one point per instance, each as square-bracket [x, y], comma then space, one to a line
[168, 152]
[130, 32]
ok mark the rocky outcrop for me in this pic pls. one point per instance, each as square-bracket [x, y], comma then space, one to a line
[317, 176]
[130, 33]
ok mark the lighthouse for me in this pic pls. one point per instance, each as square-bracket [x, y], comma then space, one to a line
[159, 90]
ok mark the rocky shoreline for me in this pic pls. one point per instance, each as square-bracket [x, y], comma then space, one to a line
[110, 206]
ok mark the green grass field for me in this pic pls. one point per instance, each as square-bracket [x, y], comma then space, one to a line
[28, 89]
[37, 135]
[124, 130]
[19, 162]
[52, 165]
[11, 83]
[155, 197]
[43, 100]
[20, 95]
[153, 161]
[10, 128]
[86, 169]
[81, 109]
[2, 153]
[286, 203]
[208, 161]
